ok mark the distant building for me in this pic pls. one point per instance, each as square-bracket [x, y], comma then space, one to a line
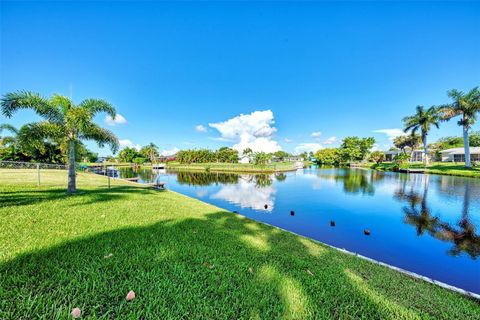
[415, 156]
[458, 154]
[244, 159]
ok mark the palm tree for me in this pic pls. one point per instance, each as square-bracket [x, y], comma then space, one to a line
[10, 141]
[422, 120]
[64, 122]
[465, 105]
[149, 151]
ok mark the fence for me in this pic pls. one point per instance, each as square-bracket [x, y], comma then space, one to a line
[45, 174]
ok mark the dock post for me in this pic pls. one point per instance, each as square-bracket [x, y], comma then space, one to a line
[38, 174]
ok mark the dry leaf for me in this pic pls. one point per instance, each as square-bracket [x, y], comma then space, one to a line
[130, 295]
[250, 270]
[76, 313]
[309, 272]
[108, 256]
[208, 265]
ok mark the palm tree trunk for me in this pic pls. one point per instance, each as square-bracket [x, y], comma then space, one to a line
[466, 145]
[425, 149]
[72, 184]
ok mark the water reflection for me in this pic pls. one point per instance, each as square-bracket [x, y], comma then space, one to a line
[206, 178]
[462, 235]
[251, 191]
[355, 181]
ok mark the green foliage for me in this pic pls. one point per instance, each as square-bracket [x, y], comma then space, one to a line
[401, 160]
[138, 160]
[355, 149]
[377, 156]
[127, 154]
[149, 152]
[411, 141]
[281, 155]
[247, 151]
[328, 156]
[223, 155]
[262, 158]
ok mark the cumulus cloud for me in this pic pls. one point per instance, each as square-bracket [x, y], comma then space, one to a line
[391, 133]
[254, 130]
[307, 147]
[316, 135]
[119, 119]
[170, 152]
[330, 140]
[128, 143]
[247, 195]
[287, 140]
[200, 128]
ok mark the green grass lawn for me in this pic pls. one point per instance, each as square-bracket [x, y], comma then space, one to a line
[184, 259]
[233, 167]
[445, 168]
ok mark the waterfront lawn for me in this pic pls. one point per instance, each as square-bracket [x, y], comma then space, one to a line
[445, 168]
[184, 259]
[233, 167]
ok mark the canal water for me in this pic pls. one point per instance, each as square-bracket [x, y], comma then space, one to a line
[427, 224]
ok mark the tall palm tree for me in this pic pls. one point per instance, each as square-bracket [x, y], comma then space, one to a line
[64, 121]
[422, 120]
[467, 106]
[152, 151]
[10, 141]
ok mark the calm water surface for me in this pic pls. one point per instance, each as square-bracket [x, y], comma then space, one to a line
[427, 224]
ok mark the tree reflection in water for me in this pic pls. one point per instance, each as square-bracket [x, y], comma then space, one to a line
[206, 178]
[355, 181]
[463, 235]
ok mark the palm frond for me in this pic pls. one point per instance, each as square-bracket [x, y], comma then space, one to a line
[34, 134]
[101, 136]
[14, 101]
[98, 105]
[8, 127]
[61, 102]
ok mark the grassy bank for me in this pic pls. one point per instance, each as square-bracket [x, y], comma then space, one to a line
[233, 167]
[184, 259]
[452, 169]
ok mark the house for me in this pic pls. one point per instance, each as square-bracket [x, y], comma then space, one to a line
[415, 156]
[389, 155]
[458, 154]
[244, 159]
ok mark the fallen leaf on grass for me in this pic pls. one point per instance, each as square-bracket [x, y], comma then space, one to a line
[130, 295]
[108, 256]
[310, 272]
[76, 313]
[208, 265]
[250, 269]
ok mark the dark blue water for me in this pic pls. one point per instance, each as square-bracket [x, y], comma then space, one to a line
[426, 224]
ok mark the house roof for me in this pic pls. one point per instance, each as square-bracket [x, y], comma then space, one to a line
[461, 150]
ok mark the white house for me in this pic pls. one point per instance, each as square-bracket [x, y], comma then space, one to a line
[416, 156]
[244, 159]
[458, 154]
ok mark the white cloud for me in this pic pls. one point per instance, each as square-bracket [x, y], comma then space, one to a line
[287, 140]
[316, 135]
[391, 133]
[128, 143]
[119, 119]
[247, 195]
[170, 152]
[200, 128]
[330, 140]
[307, 147]
[254, 130]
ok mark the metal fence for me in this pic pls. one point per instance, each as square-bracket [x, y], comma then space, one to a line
[46, 174]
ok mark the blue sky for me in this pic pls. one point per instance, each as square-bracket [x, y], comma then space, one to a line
[324, 70]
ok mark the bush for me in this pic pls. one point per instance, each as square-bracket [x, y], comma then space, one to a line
[139, 160]
[377, 156]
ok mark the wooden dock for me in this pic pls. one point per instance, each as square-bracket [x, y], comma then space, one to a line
[157, 185]
[135, 179]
